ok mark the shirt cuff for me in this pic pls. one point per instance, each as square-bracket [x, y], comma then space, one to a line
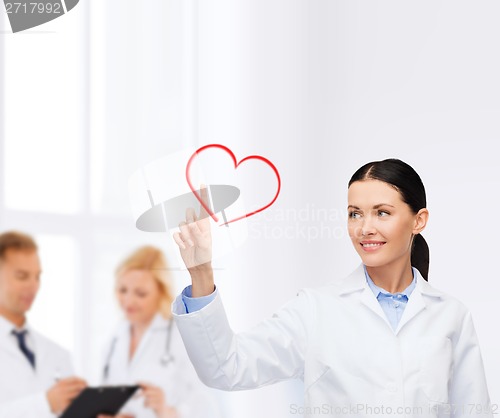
[195, 304]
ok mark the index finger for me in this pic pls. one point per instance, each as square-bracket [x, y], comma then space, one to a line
[205, 200]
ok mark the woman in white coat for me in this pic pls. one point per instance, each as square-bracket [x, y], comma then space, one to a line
[379, 342]
[146, 348]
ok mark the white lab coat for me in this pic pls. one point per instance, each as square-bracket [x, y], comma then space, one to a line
[22, 389]
[183, 390]
[339, 341]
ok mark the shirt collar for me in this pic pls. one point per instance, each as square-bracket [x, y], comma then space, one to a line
[6, 327]
[378, 291]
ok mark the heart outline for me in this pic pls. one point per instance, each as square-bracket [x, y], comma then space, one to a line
[236, 164]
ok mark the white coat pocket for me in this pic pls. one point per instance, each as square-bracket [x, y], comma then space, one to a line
[436, 360]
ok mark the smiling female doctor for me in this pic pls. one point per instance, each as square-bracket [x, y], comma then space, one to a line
[146, 348]
[379, 342]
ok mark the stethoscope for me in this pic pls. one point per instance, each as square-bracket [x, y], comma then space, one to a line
[165, 359]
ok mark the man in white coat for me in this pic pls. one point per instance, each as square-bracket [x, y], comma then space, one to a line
[35, 373]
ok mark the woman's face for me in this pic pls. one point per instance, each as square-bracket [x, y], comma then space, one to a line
[138, 296]
[380, 224]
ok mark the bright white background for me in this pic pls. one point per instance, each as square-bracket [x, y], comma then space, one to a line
[320, 88]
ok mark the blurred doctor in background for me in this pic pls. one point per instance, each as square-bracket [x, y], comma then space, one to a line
[146, 348]
[35, 373]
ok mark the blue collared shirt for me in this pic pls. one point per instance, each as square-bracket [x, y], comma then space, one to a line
[393, 304]
[195, 304]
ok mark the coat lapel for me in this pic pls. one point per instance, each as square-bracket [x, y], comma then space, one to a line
[9, 348]
[417, 301]
[355, 285]
[8, 344]
[368, 299]
[156, 323]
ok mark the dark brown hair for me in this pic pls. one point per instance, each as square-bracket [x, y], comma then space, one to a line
[15, 240]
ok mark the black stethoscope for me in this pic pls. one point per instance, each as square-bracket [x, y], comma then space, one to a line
[165, 359]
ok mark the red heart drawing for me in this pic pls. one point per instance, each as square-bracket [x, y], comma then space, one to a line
[236, 164]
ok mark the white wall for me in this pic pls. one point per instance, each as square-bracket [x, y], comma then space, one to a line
[319, 88]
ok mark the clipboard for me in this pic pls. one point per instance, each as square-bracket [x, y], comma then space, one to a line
[101, 400]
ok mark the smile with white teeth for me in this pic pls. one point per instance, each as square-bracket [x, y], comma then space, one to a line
[373, 244]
